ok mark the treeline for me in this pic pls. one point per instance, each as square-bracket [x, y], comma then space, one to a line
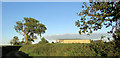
[91, 49]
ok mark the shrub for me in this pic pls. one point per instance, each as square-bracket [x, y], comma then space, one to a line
[43, 41]
[91, 49]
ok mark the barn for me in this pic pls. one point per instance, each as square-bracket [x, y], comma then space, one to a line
[73, 40]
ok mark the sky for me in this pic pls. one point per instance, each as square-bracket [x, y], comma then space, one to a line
[58, 17]
[93, 36]
[45, 0]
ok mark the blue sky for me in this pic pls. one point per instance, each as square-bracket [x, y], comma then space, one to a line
[58, 17]
[45, 0]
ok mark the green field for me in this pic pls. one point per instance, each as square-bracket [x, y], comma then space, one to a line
[91, 49]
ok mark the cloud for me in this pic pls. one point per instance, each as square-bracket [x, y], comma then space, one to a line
[93, 36]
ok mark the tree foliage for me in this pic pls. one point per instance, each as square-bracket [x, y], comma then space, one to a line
[95, 15]
[100, 13]
[29, 27]
[43, 40]
[14, 41]
[102, 37]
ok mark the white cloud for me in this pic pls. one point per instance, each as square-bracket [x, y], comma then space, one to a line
[93, 36]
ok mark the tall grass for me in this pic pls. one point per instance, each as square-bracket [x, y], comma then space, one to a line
[91, 49]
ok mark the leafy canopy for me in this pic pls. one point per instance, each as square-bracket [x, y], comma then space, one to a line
[95, 15]
[29, 27]
[14, 41]
[43, 41]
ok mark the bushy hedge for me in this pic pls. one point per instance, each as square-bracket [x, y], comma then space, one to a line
[92, 49]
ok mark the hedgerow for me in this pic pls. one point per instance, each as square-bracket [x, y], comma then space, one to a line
[91, 49]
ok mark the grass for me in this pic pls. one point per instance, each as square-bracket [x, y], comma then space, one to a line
[91, 49]
[58, 50]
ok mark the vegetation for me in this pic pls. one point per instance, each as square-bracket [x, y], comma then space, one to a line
[57, 50]
[101, 14]
[52, 42]
[43, 41]
[14, 41]
[91, 49]
[22, 42]
[29, 27]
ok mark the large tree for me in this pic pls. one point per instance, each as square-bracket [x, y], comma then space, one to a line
[95, 15]
[29, 27]
[41, 28]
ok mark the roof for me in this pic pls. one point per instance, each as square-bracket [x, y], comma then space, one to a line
[73, 39]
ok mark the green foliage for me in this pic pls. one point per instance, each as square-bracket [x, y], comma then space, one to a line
[53, 50]
[14, 41]
[15, 38]
[91, 49]
[100, 13]
[21, 43]
[102, 37]
[29, 27]
[53, 42]
[43, 41]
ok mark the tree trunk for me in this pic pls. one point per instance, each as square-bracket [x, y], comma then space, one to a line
[116, 24]
[40, 35]
[26, 38]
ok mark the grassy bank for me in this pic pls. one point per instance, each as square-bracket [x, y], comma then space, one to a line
[58, 50]
[92, 49]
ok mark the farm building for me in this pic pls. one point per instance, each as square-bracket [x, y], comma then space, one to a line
[73, 40]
